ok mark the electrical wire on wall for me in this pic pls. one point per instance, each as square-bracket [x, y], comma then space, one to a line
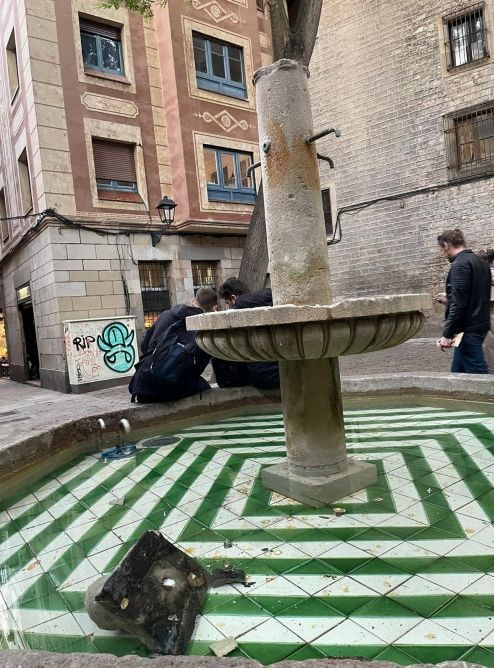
[353, 209]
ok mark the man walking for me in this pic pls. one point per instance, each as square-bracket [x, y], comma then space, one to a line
[467, 300]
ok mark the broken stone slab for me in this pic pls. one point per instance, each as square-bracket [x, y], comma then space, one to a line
[34, 659]
[155, 594]
[223, 647]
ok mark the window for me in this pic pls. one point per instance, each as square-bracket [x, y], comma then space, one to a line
[154, 290]
[470, 142]
[12, 68]
[101, 47]
[219, 67]
[260, 5]
[204, 275]
[227, 178]
[4, 224]
[328, 214]
[115, 168]
[25, 183]
[465, 36]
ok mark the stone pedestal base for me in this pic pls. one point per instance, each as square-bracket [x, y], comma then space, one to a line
[319, 491]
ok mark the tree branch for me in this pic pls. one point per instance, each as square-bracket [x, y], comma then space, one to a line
[280, 28]
[304, 32]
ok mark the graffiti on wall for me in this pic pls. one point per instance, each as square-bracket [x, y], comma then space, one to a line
[100, 349]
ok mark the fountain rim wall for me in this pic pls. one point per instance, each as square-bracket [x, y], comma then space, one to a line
[28, 459]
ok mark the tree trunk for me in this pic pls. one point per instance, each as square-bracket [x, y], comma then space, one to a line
[295, 40]
[254, 266]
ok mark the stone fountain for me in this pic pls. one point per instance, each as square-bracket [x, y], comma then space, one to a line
[304, 330]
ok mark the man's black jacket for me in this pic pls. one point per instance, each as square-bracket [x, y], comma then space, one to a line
[468, 290]
[167, 318]
[263, 375]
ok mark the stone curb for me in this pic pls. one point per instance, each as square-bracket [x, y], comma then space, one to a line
[66, 440]
[33, 659]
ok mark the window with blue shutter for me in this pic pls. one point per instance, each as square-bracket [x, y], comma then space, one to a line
[227, 177]
[219, 66]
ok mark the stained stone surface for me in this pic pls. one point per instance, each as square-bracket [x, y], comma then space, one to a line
[23, 659]
[155, 594]
[405, 575]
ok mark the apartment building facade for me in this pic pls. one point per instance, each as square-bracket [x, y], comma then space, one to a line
[411, 87]
[102, 113]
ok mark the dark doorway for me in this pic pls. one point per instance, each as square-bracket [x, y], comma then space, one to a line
[30, 342]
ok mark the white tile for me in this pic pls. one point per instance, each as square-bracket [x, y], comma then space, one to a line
[389, 629]
[431, 633]
[205, 631]
[311, 583]
[348, 633]
[101, 560]
[375, 548]
[340, 550]
[346, 586]
[483, 585]
[439, 547]
[235, 625]
[418, 586]
[473, 629]
[381, 583]
[82, 571]
[28, 500]
[474, 510]
[89, 628]
[455, 582]
[310, 628]
[273, 629]
[407, 550]
[44, 621]
[272, 586]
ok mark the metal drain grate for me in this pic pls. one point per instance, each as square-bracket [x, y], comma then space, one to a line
[159, 441]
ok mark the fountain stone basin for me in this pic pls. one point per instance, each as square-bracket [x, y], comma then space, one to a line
[290, 333]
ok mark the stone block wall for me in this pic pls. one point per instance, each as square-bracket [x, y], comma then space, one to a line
[77, 275]
[378, 74]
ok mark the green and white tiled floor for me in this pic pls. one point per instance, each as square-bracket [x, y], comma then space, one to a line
[406, 574]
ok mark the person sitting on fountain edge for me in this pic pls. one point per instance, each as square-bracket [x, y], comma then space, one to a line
[263, 375]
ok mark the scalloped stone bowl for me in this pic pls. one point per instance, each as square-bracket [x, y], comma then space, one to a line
[290, 333]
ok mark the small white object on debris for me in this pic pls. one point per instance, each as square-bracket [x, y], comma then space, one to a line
[223, 647]
[117, 501]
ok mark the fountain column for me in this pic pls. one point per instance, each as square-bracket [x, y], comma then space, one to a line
[317, 470]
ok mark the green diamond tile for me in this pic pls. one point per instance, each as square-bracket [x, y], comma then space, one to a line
[433, 654]
[464, 607]
[368, 652]
[479, 655]
[448, 565]
[310, 607]
[422, 605]
[347, 605]
[267, 653]
[395, 655]
[305, 654]
[383, 607]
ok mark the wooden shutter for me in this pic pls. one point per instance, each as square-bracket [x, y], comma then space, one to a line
[102, 29]
[114, 160]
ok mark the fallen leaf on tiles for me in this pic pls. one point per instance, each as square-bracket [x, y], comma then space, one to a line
[339, 511]
[33, 565]
[117, 501]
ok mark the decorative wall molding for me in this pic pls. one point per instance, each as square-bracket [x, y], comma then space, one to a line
[107, 104]
[264, 40]
[225, 120]
[215, 11]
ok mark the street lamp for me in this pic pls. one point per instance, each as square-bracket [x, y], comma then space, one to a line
[166, 209]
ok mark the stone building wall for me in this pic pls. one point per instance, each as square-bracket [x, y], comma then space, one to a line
[379, 75]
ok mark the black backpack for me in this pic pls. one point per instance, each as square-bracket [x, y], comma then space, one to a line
[172, 370]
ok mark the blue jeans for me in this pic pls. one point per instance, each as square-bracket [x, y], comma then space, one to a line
[469, 356]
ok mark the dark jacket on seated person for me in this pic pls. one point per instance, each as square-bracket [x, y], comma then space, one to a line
[167, 318]
[263, 375]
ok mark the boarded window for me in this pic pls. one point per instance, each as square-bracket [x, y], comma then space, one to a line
[154, 290]
[12, 68]
[25, 183]
[470, 142]
[114, 164]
